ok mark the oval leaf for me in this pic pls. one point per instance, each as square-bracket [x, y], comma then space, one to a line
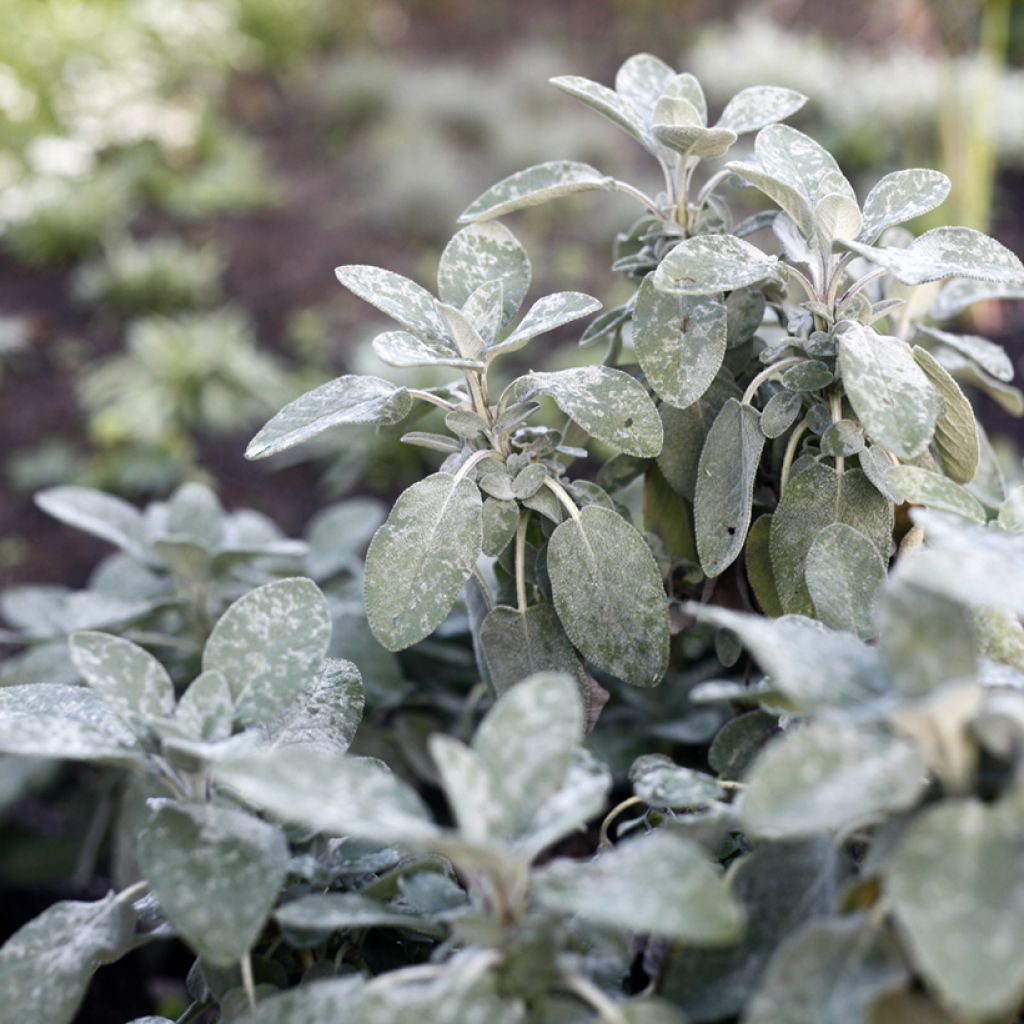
[709, 264]
[845, 574]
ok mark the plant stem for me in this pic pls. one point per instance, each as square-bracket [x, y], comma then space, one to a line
[641, 197]
[787, 459]
[247, 980]
[560, 493]
[130, 894]
[606, 1008]
[603, 838]
[835, 403]
[767, 374]
[426, 396]
[524, 521]
[474, 460]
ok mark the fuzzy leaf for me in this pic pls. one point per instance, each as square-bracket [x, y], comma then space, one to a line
[206, 709]
[966, 941]
[946, 252]
[545, 315]
[710, 264]
[660, 783]
[346, 911]
[919, 486]
[102, 515]
[992, 358]
[725, 484]
[608, 404]
[46, 965]
[402, 349]
[829, 775]
[788, 197]
[345, 400]
[658, 884]
[409, 305]
[956, 433]
[421, 557]
[127, 677]
[328, 792]
[889, 392]
[499, 519]
[899, 197]
[616, 108]
[680, 344]
[479, 254]
[518, 644]
[609, 596]
[844, 576]
[642, 79]
[534, 186]
[269, 646]
[52, 720]
[216, 872]
[759, 105]
[813, 499]
[780, 412]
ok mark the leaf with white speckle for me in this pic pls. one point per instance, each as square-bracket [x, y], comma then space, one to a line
[351, 399]
[73, 722]
[216, 872]
[314, 1002]
[642, 79]
[661, 783]
[899, 197]
[328, 792]
[608, 404]
[659, 884]
[402, 349]
[420, 558]
[958, 896]
[889, 392]
[616, 108]
[103, 515]
[127, 677]
[479, 254]
[992, 358]
[845, 574]
[723, 495]
[498, 521]
[536, 185]
[46, 965]
[945, 252]
[269, 646]
[919, 486]
[680, 343]
[829, 775]
[409, 305]
[956, 433]
[791, 651]
[759, 105]
[710, 264]
[609, 595]
[206, 709]
[346, 911]
[545, 315]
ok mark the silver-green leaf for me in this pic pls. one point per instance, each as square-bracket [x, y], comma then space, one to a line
[845, 574]
[902, 196]
[710, 264]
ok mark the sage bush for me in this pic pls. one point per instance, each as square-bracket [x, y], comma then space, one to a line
[743, 604]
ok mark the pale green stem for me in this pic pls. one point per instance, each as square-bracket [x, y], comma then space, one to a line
[132, 893]
[801, 279]
[862, 283]
[607, 1010]
[248, 982]
[426, 396]
[476, 391]
[787, 458]
[560, 493]
[836, 407]
[640, 197]
[766, 374]
[474, 460]
[524, 521]
[603, 839]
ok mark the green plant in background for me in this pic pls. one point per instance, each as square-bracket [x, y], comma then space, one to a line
[836, 839]
[161, 275]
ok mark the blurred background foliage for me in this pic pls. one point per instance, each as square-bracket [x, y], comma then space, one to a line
[179, 179]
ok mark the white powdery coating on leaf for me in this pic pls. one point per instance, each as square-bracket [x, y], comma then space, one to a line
[710, 264]
[269, 644]
[946, 252]
[889, 392]
[102, 515]
[45, 966]
[545, 315]
[536, 185]
[420, 558]
[482, 254]
[642, 79]
[902, 196]
[796, 159]
[49, 720]
[396, 296]
[216, 872]
[400, 348]
[759, 105]
[345, 400]
[992, 358]
[828, 775]
[617, 108]
[608, 404]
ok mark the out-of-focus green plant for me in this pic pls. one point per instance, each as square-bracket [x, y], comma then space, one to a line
[158, 275]
[192, 373]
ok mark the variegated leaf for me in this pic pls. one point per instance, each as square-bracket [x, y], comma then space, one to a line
[545, 315]
[607, 102]
[710, 264]
[397, 297]
[759, 105]
[899, 197]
